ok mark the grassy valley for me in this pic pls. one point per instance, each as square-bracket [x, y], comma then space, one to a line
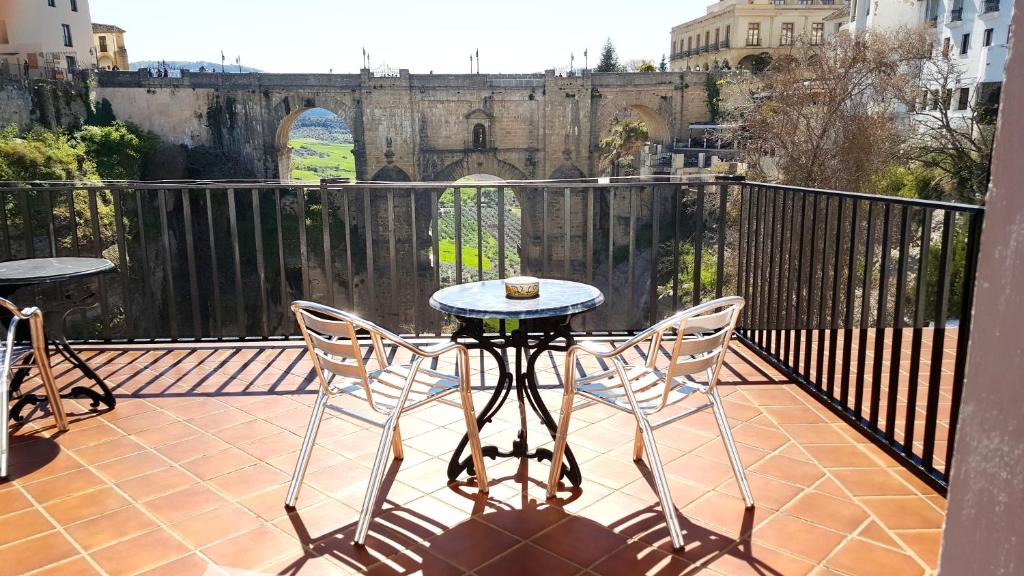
[316, 159]
[321, 147]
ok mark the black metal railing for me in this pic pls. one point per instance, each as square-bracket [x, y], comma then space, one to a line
[865, 301]
[990, 6]
[216, 260]
[862, 300]
[956, 14]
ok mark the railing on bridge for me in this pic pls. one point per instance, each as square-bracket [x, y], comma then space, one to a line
[860, 299]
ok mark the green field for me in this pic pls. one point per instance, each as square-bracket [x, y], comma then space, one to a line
[313, 160]
[446, 253]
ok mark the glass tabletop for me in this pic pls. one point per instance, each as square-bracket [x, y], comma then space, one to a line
[41, 270]
[487, 300]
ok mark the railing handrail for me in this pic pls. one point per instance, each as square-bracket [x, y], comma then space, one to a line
[614, 182]
[900, 200]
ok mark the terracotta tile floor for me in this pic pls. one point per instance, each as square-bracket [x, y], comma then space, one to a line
[188, 476]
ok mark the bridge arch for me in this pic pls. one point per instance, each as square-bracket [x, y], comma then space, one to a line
[391, 173]
[755, 62]
[476, 164]
[657, 126]
[282, 136]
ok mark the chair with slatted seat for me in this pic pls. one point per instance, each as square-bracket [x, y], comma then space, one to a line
[392, 390]
[702, 336]
[10, 353]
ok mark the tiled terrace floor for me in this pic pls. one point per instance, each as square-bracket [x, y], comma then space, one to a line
[188, 475]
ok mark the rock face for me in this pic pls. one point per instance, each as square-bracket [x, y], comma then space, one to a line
[413, 127]
[54, 104]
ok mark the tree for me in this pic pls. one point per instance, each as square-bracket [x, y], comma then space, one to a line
[663, 65]
[609, 58]
[881, 112]
[827, 115]
[619, 148]
[952, 132]
[119, 150]
[646, 66]
[103, 115]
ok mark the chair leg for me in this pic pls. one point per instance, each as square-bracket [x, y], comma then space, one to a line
[730, 448]
[307, 449]
[376, 478]
[42, 360]
[473, 431]
[638, 445]
[396, 444]
[660, 482]
[4, 429]
[561, 439]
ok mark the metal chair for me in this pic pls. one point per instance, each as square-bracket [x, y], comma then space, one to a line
[12, 352]
[391, 391]
[702, 338]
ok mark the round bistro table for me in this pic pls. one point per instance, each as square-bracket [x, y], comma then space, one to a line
[16, 274]
[542, 321]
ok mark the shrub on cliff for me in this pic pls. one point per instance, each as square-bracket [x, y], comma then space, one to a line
[42, 155]
[119, 150]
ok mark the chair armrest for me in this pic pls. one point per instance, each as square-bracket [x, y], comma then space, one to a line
[593, 350]
[435, 350]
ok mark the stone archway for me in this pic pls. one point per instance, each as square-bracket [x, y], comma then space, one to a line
[755, 62]
[657, 127]
[282, 136]
[567, 171]
[477, 164]
[391, 173]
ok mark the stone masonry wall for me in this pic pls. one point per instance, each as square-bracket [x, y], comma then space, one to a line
[538, 126]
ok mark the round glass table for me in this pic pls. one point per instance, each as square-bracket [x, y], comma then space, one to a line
[542, 321]
[17, 274]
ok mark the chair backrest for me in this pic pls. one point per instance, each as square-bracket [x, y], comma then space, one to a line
[331, 338]
[5, 357]
[703, 334]
[6, 354]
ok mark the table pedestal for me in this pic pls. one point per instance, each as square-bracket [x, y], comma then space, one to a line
[531, 339]
[58, 344]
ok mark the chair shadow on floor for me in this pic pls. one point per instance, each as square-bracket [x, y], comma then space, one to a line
[29, 454]
[702, 544]
[403, 540]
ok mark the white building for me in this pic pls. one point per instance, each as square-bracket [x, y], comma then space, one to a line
[53, 37]
[977, 32]
[974, 32]
[891, 14]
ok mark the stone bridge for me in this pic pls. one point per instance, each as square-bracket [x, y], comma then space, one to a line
[414, 127]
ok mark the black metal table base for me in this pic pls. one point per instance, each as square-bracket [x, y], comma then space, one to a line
[58, 344]
[105, 396]
[546, 332]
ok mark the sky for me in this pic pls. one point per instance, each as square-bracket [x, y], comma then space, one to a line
[513, 36]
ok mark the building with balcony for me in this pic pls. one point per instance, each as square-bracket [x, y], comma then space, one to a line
[973, 32]
[108, 43]
[45, 38]
[745, 34]
[977, 34]
[891, 14]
